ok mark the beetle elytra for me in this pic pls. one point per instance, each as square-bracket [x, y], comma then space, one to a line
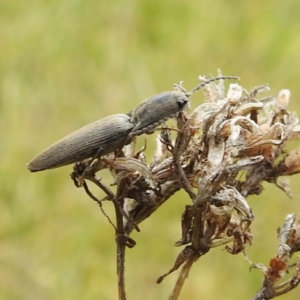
[98, 138]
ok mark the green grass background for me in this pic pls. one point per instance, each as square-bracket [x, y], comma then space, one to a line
[66, 63]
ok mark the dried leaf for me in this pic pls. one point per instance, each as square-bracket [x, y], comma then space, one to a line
[276, 269]
[284, 184]
[134, 165]
[290, 164]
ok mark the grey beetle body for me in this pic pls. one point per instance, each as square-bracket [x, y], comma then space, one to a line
[99, 138]
[156, 110]
[113, 132]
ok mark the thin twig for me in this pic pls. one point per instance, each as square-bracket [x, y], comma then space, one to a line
[183, 275]
[85, 186]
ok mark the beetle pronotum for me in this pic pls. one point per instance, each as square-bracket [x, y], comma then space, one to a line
[156, 110]
[159, 108]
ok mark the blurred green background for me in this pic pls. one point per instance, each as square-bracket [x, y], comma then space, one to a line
[66, 63]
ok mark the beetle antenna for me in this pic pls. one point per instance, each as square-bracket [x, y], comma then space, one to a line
[207, 81]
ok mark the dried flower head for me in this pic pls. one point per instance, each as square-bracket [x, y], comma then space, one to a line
[220, 153]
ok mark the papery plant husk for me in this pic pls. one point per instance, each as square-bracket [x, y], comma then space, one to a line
[220, 153]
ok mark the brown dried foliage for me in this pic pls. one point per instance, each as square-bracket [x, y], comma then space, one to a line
[219, 154]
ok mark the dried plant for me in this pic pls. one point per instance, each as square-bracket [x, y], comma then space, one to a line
[219, 154]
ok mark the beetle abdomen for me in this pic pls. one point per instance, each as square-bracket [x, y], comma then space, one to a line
[101, 137]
